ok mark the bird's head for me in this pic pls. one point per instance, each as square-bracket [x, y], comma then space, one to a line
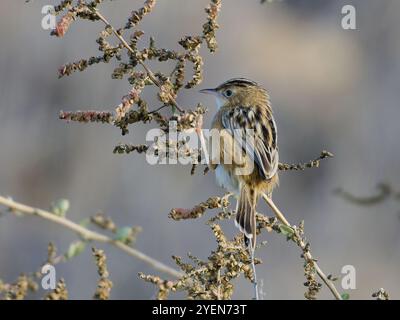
[238, 91]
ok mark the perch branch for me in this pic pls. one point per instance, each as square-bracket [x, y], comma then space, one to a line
[303, 246]
[302, 166]
[88, 234]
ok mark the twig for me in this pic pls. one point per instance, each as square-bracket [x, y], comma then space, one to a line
[219, 284]
[87, 234]
[128, 47]
[158, 109]
[302, 166]
[303, 246]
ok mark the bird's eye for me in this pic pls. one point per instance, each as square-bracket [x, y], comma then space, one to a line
[228, 93]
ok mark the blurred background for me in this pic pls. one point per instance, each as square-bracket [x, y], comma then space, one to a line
[331, 89]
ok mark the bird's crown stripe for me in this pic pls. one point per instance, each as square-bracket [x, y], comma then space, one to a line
[239, 82]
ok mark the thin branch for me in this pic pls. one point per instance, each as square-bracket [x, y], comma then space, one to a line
[302, 166]
[303, 246]
[128, 47]
[158, 109]
[87, 234]
[255, 283]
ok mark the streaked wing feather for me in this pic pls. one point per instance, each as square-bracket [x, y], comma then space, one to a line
[257, 147]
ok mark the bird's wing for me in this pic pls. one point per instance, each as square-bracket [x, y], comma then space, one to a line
[254, 129]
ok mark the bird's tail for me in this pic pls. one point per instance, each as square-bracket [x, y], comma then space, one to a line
[246, 215]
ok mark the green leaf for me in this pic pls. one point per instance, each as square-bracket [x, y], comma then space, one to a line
[60, 207]
[75, 249]
[285, 230]
[345, 296]
[123, 234]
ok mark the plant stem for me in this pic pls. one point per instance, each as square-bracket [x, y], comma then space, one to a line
[302, 245]
[87, 234]
[253, 266]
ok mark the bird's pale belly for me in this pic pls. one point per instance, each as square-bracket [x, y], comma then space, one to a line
[227, 180]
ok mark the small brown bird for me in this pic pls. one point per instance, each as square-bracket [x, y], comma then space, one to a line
[247, 164]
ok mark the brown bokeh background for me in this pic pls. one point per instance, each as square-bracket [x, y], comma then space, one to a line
[331, 89]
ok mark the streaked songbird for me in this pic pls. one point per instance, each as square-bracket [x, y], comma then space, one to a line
[246, 161]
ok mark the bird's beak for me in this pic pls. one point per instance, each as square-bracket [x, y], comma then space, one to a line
[208, 91]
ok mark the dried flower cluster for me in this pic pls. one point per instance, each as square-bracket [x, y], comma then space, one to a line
[199, 210]
[19, 289]
[211, 278]
[313, 286]
[169, 85]
[128, 148]
[381, 294]
[59, 293]
[104, 284]
[302, 166]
